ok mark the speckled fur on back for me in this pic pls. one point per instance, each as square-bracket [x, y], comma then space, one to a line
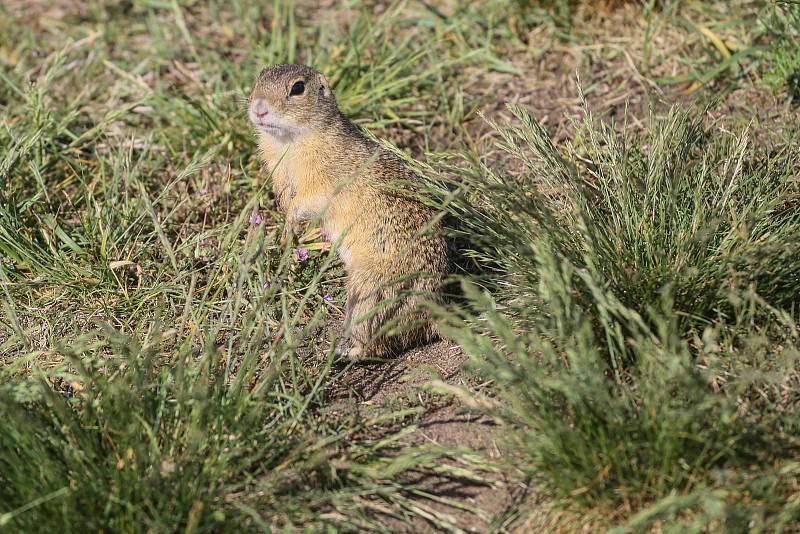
[325, 170]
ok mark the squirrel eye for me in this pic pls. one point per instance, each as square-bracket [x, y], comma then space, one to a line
[297, 89]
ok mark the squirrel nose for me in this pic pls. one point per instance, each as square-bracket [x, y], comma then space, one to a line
[260, 108]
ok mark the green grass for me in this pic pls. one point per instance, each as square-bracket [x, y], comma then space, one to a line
[783, 56]
[630, 295]
[169, 434]
[685, 207]
[643, 318]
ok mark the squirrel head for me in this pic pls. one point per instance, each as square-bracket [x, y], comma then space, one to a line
[290, 99]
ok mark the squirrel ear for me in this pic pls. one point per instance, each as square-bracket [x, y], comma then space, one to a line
[325, 87]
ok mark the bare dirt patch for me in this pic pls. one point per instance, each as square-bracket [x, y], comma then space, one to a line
[446, 422]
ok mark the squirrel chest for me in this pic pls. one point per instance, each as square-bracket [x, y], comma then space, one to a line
[305, 181]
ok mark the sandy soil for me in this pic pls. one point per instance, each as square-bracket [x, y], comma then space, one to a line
[403, 381]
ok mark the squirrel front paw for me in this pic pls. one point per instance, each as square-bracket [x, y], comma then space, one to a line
[292, 223]
[291, 226]
[287, 231]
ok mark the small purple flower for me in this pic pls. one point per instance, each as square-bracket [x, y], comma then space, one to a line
[302, 254]
[266, 285]
[256, 218]
[202, 192]
[327, 298]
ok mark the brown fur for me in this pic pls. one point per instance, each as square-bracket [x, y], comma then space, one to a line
[326, 170]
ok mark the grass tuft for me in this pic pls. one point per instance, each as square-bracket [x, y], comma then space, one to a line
[640, 329]
[687, 207]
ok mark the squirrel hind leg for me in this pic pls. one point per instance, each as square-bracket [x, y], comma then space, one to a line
[366, 315]
[355, 352]
[384, 321]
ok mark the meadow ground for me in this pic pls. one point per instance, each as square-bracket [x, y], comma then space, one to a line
[620, 185]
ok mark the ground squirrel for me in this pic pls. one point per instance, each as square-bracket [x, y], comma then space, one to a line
[325, 170]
